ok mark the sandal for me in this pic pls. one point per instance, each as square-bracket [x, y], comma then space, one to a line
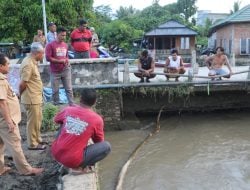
[38, 147]
[5, 170]
[43, 142]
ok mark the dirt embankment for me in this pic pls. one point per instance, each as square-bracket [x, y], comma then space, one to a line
[45, 181]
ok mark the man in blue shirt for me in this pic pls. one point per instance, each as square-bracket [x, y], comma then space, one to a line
[51, 35]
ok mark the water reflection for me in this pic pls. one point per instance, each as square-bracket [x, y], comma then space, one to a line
[201, 151]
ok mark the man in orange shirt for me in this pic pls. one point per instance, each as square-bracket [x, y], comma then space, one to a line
[81, 39]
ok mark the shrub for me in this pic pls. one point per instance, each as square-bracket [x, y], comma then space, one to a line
[49, 111]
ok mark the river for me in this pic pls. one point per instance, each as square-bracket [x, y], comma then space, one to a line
[207, 151]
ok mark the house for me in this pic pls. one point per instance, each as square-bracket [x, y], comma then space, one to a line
[171, 34]
[233, 33]
[203, 15]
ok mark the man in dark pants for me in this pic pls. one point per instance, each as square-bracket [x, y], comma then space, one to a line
[79, 124]
[81, 39]
[146, 66]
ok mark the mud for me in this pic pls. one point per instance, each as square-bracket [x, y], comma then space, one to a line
[46, 181]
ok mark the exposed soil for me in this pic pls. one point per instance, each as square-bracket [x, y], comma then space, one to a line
[46, 181]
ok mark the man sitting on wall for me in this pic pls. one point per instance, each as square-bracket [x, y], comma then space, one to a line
[174, 65]
[215, 63]
[146, 66]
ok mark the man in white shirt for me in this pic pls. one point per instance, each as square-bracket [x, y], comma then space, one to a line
[174, 65]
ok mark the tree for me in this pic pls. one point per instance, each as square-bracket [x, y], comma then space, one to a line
[172, 8]
[120, 34]
[124, 12]
[103, 14]
[148, 18]
[203, 31]
[21, 19]
[187, 8]
[236, 7]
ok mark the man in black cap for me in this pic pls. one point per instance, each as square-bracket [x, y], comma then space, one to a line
[81, 39]
[51, 35]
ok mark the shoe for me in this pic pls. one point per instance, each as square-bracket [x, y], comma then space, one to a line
[38, 147]
[34, 172]
[147, 80]
[142, 80]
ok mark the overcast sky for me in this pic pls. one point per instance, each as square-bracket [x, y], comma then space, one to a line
[216, 6]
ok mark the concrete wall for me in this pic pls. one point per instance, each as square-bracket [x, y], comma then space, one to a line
[87, 72]
[186, 98]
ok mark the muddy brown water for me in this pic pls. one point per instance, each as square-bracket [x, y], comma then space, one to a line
[192, 151]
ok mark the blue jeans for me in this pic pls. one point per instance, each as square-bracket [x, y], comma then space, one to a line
[213, 72]
[65, 77]
[95, 152]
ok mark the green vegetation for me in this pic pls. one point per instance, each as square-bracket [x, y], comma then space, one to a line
[21, 19]
[49, 111]
[182, 91]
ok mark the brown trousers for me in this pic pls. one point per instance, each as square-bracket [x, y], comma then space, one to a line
[12, 141]
[34, 122]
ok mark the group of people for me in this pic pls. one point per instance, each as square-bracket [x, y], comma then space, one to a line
[78, 123]
[83, 40]
[174, 66]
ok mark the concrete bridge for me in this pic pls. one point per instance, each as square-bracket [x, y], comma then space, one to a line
[119, 88]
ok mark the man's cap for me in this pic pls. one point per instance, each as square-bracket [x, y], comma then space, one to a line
[51, 24]
[92, 29]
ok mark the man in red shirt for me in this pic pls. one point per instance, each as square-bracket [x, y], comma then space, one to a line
[81, 39]
[57, 55]
[78, 125]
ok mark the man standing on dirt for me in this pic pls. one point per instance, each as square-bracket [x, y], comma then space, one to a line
[81, 39]
[10, 116]
[79, 124]
[31, 92]
[60, 70]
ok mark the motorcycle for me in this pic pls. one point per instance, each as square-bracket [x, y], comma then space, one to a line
[102, 51]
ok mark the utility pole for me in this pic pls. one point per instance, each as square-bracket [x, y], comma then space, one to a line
[44, 19]
[44, 26]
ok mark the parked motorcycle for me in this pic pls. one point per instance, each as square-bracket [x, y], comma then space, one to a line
[103, 52]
